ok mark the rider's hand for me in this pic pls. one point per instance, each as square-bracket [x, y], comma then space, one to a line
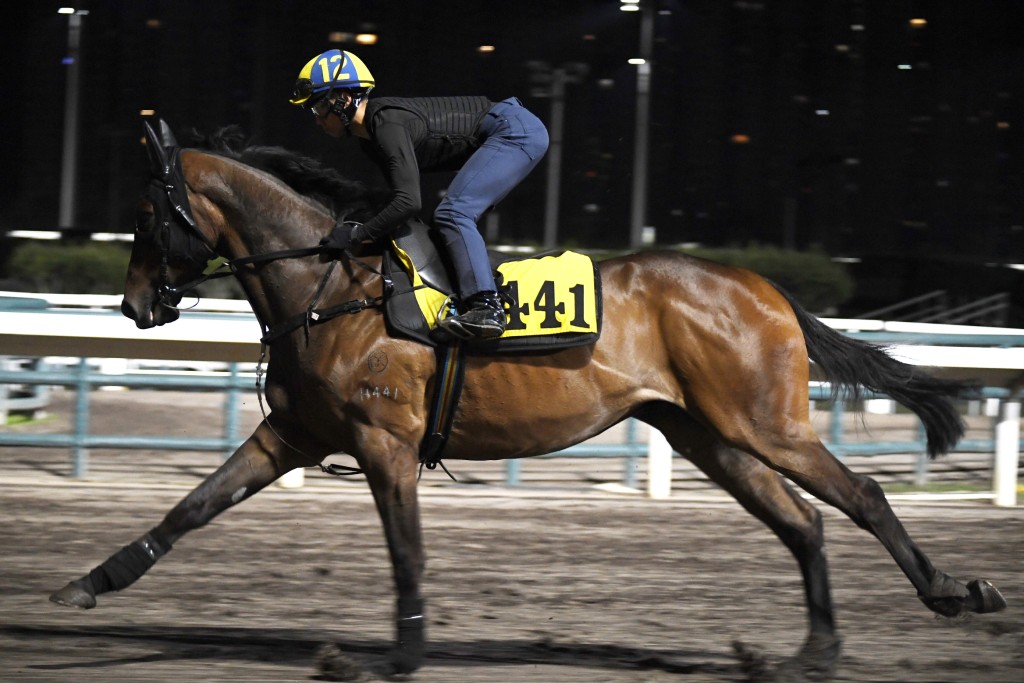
[345, 235]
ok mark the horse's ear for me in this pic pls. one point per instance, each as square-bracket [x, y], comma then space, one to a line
[166, 136]
[155, 149]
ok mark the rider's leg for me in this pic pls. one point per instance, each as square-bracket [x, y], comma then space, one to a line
[515, 142]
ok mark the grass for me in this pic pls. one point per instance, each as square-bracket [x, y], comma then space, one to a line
[25, 419]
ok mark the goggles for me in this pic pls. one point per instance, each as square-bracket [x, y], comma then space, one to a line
[303, 91]
[320, 108]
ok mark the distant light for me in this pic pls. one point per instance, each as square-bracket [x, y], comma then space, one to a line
[739, 139]
[842, 48]
[66, 10]
[67, 61]
[637, 61]
[112, 237]
[1003, 125]
[147, 112]
[35, 234]
[486, 48]
[856, 27]
[904, 67]
[630, 2]
[606, 83]
[589, 36]
[918, 22]
[340, 37]
[822, 112]
[629, 8]
[153, 23]
[366, 38]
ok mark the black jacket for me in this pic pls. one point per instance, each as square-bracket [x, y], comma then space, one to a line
[412, 135]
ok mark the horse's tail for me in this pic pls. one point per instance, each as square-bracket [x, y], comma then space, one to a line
[850, 364]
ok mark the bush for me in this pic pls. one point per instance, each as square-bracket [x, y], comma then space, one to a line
[817, 282]
[91, 268]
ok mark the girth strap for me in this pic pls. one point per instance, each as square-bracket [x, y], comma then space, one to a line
[451, 371]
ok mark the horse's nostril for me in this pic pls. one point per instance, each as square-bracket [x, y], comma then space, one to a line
[127, 310]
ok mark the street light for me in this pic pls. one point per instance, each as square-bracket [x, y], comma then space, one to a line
[70, 159]
[638, 211]
[542, 74]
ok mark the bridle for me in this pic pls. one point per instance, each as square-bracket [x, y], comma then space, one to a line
[175, 233]
[178, 239]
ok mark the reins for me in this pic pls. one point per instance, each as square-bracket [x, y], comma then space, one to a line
[311, 316]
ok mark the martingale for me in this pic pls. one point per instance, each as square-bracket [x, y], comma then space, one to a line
[554, 302]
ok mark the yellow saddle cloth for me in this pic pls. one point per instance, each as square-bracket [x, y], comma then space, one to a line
[551, 302]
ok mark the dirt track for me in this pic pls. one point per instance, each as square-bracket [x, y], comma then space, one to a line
[520, 588]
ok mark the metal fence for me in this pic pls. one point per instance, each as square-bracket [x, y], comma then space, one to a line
[232, 382]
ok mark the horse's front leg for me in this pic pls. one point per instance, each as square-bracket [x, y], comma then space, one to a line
[392, 476]
[257, 462]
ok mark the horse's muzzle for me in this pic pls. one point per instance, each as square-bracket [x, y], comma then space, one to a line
[150, 313]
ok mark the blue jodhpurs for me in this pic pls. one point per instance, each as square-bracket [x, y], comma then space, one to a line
[515, 142]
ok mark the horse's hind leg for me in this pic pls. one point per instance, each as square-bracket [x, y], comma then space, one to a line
[256, 463]
[779, 433]
[765, 494]
[860, 497]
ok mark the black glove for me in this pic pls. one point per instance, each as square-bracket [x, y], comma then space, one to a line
[345, 235]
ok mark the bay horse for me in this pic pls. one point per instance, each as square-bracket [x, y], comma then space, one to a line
[715, 357]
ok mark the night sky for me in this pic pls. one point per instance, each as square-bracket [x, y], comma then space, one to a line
[831, 123]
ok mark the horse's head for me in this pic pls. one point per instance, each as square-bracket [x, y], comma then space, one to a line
[169, 250]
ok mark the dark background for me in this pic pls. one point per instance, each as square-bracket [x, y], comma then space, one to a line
[915, 171]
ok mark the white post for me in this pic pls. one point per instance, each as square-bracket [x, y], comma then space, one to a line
[659, 466]
[293, 479]
[1004, 474]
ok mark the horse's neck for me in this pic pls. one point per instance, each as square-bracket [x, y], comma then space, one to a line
[267, 217]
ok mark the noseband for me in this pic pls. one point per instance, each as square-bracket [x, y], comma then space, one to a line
[176, 234]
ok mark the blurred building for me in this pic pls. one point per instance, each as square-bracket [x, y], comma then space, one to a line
[863, 126]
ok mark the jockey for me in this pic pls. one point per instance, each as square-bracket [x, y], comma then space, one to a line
[493, 146]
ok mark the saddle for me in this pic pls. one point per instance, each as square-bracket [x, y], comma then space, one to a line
[553, 301]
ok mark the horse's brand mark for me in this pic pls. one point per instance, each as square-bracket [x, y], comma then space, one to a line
[377, 361]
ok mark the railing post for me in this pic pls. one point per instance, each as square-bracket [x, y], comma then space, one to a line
[629, 474]
[231, 411]
[512, 472]
[836, 428]
[1007, 456]
[5, 392]
[80, 457]
[921, 467]
[659, 466]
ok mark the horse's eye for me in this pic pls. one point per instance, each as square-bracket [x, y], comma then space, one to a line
[145, 221]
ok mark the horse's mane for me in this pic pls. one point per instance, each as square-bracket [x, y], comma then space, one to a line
[340, 195]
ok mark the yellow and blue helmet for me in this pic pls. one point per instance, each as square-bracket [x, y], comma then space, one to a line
[334, 69]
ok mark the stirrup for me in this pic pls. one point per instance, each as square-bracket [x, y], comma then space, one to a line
[447, 306]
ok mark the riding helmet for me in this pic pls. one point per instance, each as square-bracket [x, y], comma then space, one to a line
[328, 71]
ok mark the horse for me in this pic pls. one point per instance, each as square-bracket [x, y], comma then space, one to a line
[715, 357]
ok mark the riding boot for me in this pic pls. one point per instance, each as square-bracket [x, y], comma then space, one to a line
[484, 318]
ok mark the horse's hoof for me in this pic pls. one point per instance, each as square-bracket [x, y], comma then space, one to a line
[984, 597]
[334, 665]
[406, 658]
[73, 595]
[816, 660]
